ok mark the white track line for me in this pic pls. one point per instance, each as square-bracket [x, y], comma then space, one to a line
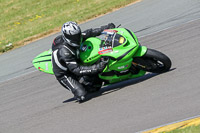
[169, 28]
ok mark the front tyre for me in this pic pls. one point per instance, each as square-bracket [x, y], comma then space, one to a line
[153, 61]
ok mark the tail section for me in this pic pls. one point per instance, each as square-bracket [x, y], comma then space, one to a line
[42, 62]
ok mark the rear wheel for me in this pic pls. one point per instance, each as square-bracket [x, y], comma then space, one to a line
[153, 61]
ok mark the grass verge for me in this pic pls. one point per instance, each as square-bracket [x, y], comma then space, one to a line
[191, 129]
[25, 20]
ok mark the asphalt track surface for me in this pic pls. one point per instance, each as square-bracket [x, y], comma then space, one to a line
[32, 101]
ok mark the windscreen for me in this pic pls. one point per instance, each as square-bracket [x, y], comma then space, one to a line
[110, 39]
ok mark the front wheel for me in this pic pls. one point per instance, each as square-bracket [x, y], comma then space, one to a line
[153, 61]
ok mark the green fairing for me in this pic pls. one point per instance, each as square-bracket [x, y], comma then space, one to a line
[42, 62]
[91, 55]
[121, 56]
[122, 47]
[141, 51]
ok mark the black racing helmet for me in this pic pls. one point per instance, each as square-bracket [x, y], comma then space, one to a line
[72, 33]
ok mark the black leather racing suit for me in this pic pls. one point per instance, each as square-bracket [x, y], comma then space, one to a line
[66, 64]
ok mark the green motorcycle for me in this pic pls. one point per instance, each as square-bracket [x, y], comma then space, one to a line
[119, 47]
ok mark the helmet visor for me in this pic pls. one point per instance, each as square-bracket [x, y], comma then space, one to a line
[75, 39]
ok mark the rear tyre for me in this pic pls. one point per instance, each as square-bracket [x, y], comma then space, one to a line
[153, 61]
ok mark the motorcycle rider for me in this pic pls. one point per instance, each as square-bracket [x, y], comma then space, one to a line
[65, 60]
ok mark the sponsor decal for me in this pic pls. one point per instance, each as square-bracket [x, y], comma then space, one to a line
[39, 68]
[84, 48]
[121, 32]
[121, 67]
[124, 71]
[104, 51]
[93, 57]
[121, 40]
[47, 68]
[106, 47]
[110, 31]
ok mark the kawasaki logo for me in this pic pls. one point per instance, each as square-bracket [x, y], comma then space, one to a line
[121, 67]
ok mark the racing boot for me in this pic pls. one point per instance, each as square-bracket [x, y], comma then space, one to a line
[90, 84]
[74, 86]
[79, 94]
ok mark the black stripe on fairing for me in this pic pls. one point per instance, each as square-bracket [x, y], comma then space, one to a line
[119, 58]
[131, 34]
[41, 61]
[43, 56]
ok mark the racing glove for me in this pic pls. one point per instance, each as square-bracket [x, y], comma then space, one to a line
[109, 26]
[101, 66]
